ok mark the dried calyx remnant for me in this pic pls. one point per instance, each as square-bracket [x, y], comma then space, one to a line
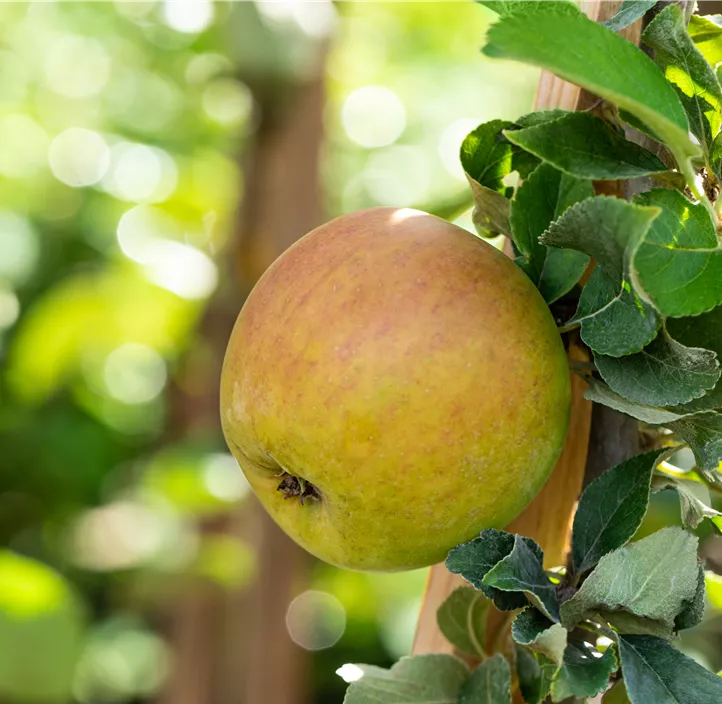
[292, 486]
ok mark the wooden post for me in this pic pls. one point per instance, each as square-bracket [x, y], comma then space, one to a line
[548, 518]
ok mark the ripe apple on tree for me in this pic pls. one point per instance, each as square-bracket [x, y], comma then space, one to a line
[394, 385]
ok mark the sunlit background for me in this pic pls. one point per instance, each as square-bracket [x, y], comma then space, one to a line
[155, 157]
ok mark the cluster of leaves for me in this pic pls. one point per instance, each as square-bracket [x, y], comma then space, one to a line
[610, 614]
[651, 310]
[650, 313]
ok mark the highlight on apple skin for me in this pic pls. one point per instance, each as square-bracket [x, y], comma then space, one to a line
[392, 386]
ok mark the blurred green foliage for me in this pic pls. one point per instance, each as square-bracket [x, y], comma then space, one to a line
[41, 623]
[123, 127]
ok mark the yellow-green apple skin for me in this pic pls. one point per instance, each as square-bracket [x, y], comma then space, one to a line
[411, 373]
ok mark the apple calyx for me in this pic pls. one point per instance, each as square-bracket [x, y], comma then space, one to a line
[292, 486]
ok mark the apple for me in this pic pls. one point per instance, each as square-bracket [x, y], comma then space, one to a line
[392, 386]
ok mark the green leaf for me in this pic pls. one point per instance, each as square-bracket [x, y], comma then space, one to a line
[624, 622]
[694, 499]
[658, 575]
[703, 117]
[701, 331]
[562, 269]
[614, 320]
[537, 632]
[677, 265]
[603, 227]
[616, 695]
[638, 125]
[664, 373]
[655, 671]
[584, 672]
[491, 211]
[541, 199]
[585, 146]
[611, 510]
[421, 679]
[706, 33]
[715, 156]
[627, 622]
[473, 560]
[490, 683]
[535, 673]
[688, 71]
[703, 433]
[462, 620]
[670, 179]
[595, 58]
[522, 571]
[693, 612]
[487, 157]
[510, 7]
[601, 393]
[629, 12]
[541, 116]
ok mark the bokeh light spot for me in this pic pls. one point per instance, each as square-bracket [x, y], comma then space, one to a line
[137, 10]
[141, 173]
[184, 270]
[140, 229]
[134, 373]
[134, 92]
[42, 624]
[223, 477]
[19, 246]
[399, 175]
[227, 102]
[137, 172]
[203, 67]
[121, 660]
[23, 146]
[450, 144]
[373, 116]
[79, 157]
[315, 620]
[13, 78]
[316, 19]
[226, 561]
[28, 588]
[9, 309]
[188, 16]
[350, 672]
[76, 66]
[116, 536]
